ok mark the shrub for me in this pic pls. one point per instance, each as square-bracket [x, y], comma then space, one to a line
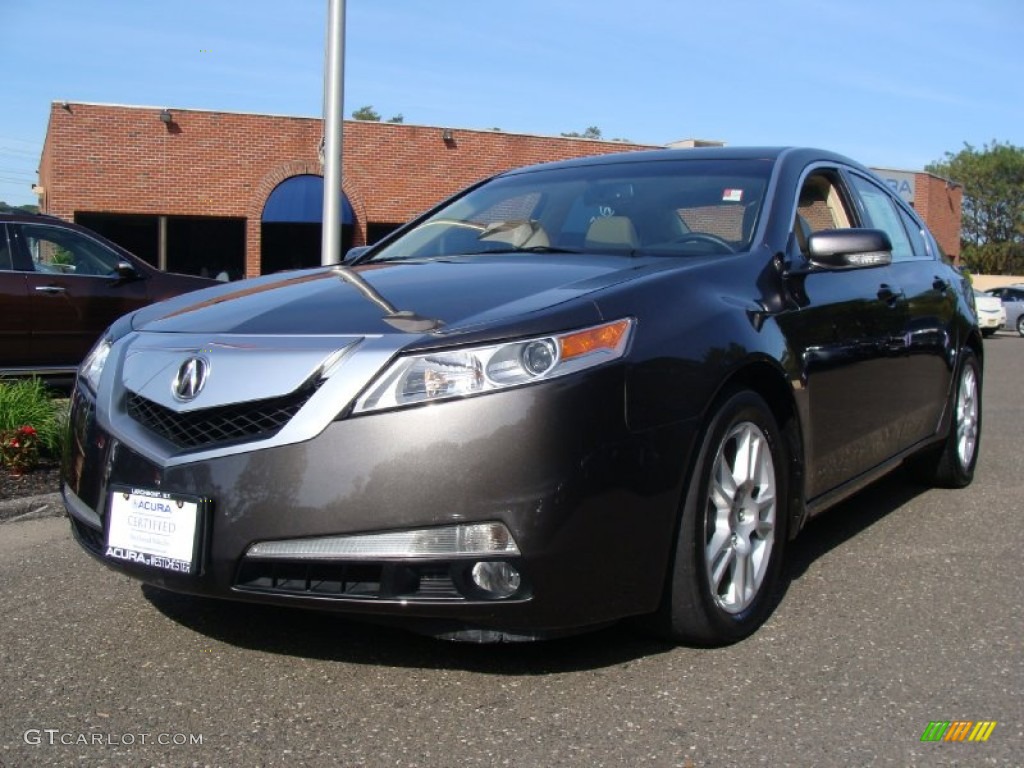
[28, 402]
[19, 449]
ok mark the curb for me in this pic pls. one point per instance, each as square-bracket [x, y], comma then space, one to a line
[31, 508]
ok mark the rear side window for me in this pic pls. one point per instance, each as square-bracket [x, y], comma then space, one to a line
[916, 234]
[882, 214]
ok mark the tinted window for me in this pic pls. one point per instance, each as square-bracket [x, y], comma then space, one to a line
[6, 261]
[1008, 294]
[882, 214]
[916, 234]
[61, 251]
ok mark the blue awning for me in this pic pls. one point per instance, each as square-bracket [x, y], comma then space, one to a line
[300, 200]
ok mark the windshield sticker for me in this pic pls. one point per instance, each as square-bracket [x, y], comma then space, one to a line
[732, 196]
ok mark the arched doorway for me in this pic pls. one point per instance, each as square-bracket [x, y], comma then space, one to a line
[290, 227]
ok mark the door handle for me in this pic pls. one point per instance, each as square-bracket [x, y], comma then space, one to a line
[889, 294]
[51, 289]
[940, 285]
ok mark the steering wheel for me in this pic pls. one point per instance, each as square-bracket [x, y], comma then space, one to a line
[704, 237]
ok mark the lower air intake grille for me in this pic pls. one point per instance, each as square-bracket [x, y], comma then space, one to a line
[90, 538]
[349, 581]
[238, 422]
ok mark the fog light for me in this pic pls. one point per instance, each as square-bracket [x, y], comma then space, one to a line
[498, 579]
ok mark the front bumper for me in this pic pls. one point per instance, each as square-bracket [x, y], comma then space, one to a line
[590, 505]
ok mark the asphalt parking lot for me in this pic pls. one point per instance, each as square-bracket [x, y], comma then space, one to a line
[901, 607]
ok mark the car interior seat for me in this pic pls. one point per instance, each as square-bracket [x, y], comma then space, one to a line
[616, 232]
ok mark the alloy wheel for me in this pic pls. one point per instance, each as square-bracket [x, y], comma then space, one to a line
[740, 518]
[967, 416]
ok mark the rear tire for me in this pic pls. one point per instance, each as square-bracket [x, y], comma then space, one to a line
[1020, 325]
[733, 522]
[952, 464]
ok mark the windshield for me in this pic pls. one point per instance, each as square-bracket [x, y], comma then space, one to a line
[669, 207]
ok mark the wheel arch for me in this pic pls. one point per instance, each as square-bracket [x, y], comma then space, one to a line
[974, 341]
[763, 377]
[770, 382]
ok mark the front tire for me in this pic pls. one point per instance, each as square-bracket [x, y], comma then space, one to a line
[952, 464]
[732, 528]
[1020, 325]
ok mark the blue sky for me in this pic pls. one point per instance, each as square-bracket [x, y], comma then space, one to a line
[892, 83]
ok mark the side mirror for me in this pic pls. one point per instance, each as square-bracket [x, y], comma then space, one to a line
[849, 248]
[354, 253]
[126, 271]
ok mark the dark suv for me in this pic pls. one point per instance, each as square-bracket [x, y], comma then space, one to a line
[61, 285]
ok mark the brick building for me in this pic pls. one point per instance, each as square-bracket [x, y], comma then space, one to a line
[199, 191]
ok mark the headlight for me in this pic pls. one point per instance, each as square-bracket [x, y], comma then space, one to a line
[456, 373]
[91, 368]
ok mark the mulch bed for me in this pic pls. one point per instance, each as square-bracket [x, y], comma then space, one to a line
[43, 479]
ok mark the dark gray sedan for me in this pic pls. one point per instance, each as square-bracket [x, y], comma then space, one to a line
[573, 393]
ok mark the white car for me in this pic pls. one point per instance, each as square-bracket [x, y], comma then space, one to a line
[1012, 297]
[991, 312]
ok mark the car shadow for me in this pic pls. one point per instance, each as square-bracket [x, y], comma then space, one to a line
[846, 520]
[331, 637]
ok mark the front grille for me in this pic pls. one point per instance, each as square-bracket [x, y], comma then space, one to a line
[234, 423]
[349, 580]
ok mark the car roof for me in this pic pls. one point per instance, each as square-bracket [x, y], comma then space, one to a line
[34, 217]
[804, 154]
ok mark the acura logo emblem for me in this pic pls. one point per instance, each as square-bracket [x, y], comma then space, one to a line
[191, 378]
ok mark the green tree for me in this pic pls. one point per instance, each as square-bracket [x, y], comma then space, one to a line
[371, 115]
[992, 228]
[367, 113]
[5, 208]
[592, 132]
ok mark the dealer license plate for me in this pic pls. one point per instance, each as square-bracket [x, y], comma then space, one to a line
[153, 528]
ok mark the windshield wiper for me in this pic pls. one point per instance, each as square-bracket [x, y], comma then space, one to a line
[527, 249]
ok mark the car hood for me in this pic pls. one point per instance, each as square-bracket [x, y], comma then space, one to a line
[444, 297]
[314, 339]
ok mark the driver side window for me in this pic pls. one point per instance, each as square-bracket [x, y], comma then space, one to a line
[57, 250]
[821, 206]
